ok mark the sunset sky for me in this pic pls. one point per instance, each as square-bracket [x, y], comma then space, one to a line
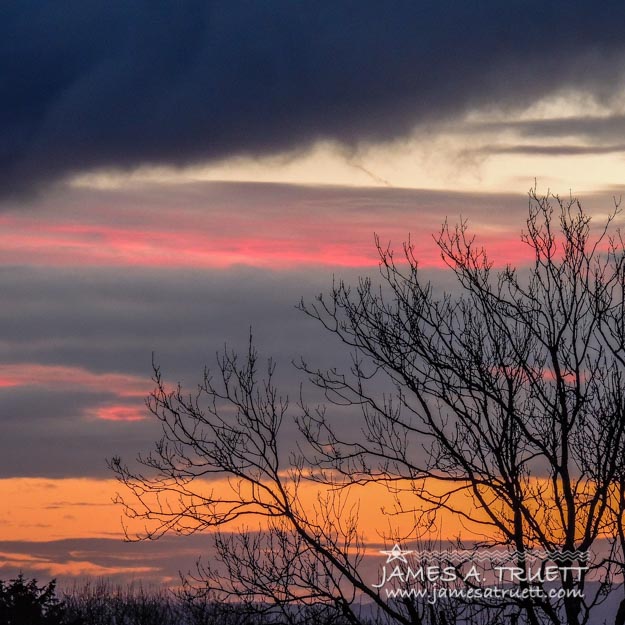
[172, 174]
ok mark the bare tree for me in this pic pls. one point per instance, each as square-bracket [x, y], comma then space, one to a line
[510, 393]
[304, 566]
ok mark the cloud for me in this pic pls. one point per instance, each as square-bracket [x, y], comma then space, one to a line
[220, 225]
[98, 85]
[77, 343]
[550, 150]
[109, 558]
[594, 129]
[76, 338]
[58, 377]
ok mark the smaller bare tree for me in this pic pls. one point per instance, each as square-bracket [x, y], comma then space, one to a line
[302, 564]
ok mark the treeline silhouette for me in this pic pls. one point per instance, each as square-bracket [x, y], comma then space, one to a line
[25, 602]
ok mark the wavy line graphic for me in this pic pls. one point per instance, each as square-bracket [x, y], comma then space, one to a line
[500, 556]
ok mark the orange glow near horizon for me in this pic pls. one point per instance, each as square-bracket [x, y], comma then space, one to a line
[53, 509]
[58, 509]
[44, 509]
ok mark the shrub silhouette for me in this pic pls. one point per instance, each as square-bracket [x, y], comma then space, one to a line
[23, 602]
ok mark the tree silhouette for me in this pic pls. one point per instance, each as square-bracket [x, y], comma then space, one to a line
[508, 393]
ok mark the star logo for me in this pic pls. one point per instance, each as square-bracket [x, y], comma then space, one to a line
[396, 553]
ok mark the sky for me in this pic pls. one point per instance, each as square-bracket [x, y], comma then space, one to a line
[174, 174]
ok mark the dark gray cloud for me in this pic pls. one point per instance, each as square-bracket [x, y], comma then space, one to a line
[112, 319]
[593, 129]
[550, 150]
[101, 84]
[94, 321]
[72, 447]
[104, 321]
[43, 407]
[107, 322]
[110, 558]
[116, 561]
